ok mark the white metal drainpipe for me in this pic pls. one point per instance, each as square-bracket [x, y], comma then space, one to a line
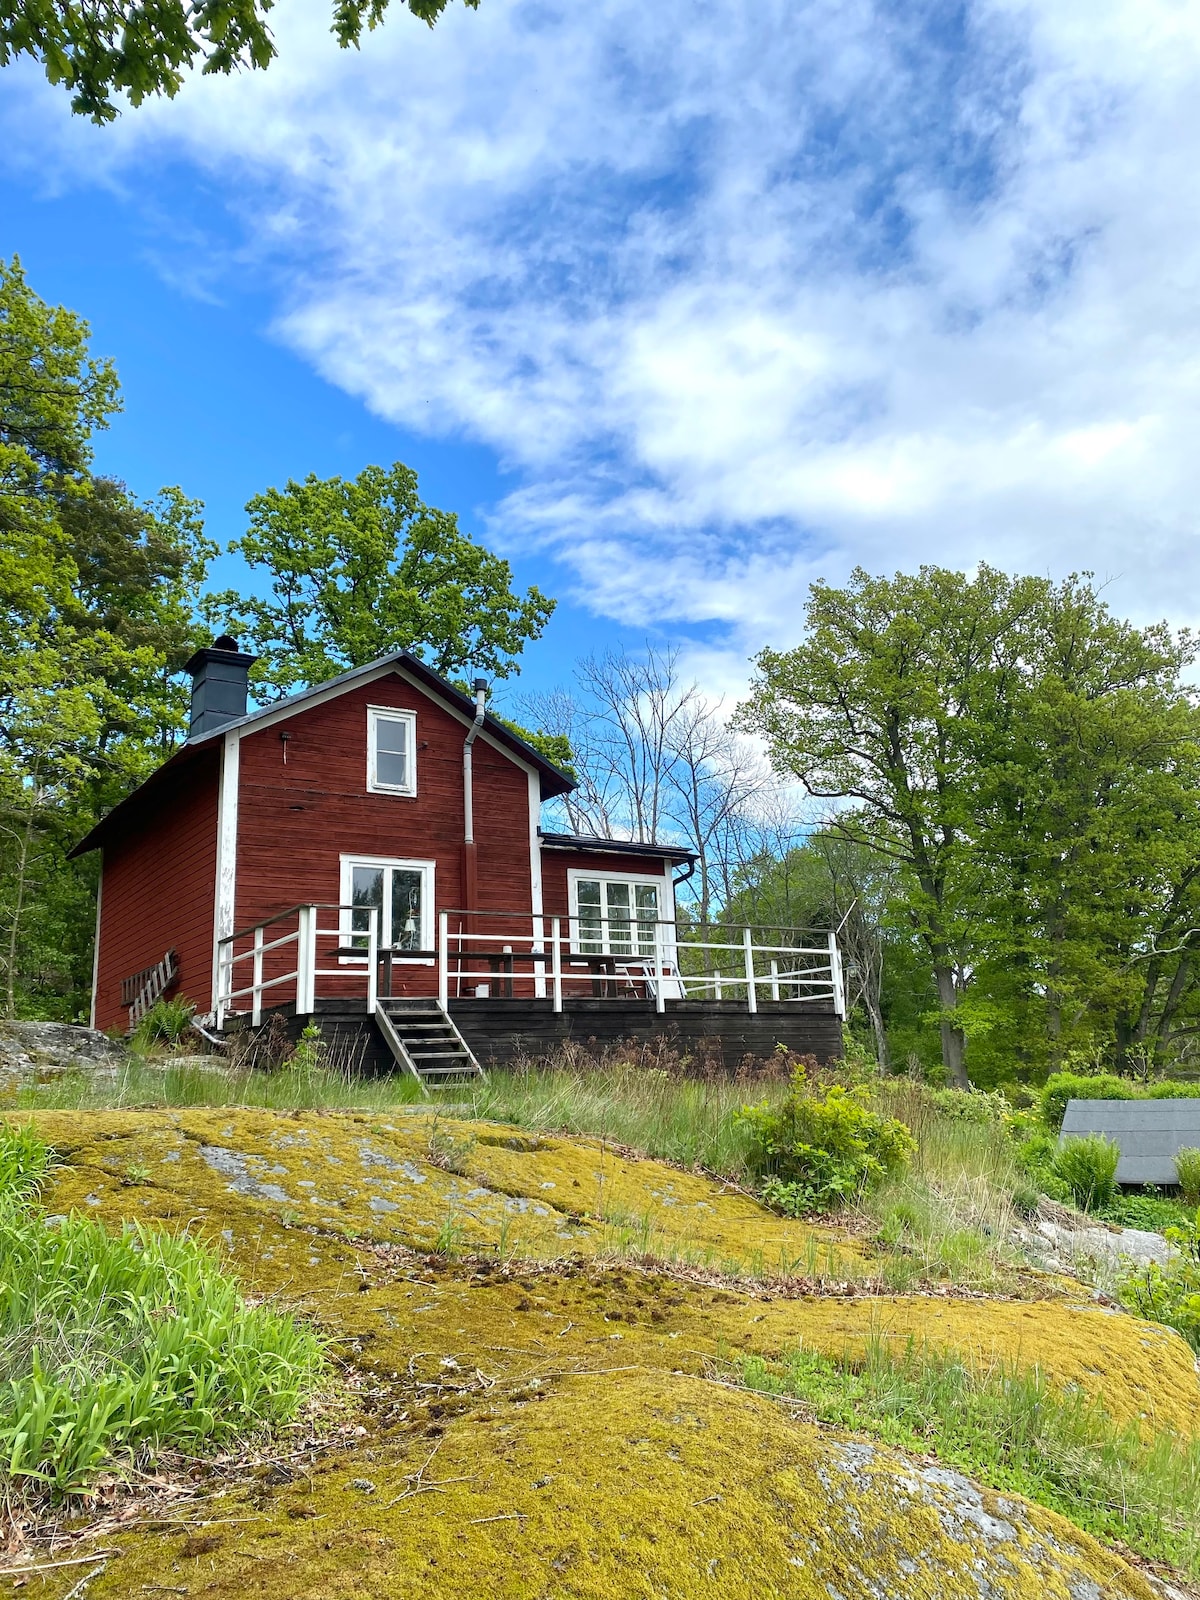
[472, 735]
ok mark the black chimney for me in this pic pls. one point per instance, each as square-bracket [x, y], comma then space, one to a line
[220, 676]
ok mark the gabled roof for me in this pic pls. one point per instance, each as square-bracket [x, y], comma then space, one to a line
[553, 780]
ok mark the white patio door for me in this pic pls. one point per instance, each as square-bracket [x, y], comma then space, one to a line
[402, 894]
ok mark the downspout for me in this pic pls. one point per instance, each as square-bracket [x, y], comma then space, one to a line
[470, 873]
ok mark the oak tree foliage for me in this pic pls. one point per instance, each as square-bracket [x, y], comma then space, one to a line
[146, 47]
[361, 567]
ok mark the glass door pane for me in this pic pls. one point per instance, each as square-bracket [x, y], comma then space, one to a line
[646, 899]
[590, 915]
[366, 890]
[620, 942]
[406, 908]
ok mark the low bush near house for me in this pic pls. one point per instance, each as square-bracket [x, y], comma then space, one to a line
[1187, 1170]
[822, 1148]
[166, 1022]
[111, 1344]
[1088, 1167]
[1170, 1294]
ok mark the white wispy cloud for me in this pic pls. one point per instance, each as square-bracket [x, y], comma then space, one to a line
[746, 293]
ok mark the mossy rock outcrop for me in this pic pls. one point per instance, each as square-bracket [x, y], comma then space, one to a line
[538, 1415]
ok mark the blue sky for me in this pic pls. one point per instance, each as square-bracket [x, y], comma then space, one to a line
[681, 307]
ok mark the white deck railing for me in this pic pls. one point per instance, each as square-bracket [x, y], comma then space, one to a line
[560, 957]
[519, 955]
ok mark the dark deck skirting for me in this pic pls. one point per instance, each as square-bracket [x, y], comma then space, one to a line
[500, 1031]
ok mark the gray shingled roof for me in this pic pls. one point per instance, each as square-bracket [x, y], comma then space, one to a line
[1148, 1133]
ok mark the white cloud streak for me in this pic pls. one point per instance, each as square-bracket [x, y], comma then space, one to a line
[747, 293]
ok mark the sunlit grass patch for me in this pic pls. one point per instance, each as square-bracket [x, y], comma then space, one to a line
[1009, 1428]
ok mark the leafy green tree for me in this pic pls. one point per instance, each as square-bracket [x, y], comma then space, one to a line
[145, 47]
[1029, 763]
[363, 567]
[888, 703]
[96, 612]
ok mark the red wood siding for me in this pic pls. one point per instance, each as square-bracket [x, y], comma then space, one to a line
[158, 885]
[601, 863]
[296, 820]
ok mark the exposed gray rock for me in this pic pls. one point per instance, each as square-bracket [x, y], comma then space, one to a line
[39, 1052]
[1094, 1253]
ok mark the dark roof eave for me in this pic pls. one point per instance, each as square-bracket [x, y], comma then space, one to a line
[628, 847]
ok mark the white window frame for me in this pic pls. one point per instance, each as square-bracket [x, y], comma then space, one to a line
[376, 715]
[651, 880]
[428, 870]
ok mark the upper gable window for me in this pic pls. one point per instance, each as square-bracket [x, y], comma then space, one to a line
[391, 751]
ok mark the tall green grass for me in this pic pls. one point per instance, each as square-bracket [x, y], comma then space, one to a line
[1009, 1429]
[110, 1345]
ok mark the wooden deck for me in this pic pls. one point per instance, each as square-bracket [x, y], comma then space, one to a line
[499, 1031]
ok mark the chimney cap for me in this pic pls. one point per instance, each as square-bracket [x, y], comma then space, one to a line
[480, 685]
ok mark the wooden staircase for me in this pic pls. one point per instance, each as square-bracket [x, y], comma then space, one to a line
[424, 1041]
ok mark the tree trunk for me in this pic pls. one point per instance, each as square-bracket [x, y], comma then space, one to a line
[954, 1044]
[882, 1055]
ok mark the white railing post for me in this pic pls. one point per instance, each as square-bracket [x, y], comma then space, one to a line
[372, 960]
[660, 999]
[751, 989]
[306, 961]
[717, 985]
[539, 967]
[835, 977]
[256, 996]
[556, 960]
[774, 979]
[444, 959]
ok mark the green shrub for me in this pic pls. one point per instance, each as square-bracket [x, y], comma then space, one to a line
[1035, 1157]
[309, 1055]
[1064, 1086]
[1088, 1167]
[112, 1345]
[1187, 1170]
[1150, 1210]
[971, 1105]
[1170, 1294]
[822, 1148]
[166, 1022]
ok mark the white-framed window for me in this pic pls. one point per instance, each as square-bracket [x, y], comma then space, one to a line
[391, 751]
[400, 891]
[615, 914]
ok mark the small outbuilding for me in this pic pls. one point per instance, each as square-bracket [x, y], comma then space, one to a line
[1147, 1133]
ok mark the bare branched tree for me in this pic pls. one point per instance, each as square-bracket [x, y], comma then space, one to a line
[656, 763]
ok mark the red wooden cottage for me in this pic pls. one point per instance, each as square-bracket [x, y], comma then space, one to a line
[369, 852]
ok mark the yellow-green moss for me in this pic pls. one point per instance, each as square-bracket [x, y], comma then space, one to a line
[372, 1178]
[387, 1306]
[618, 1487]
